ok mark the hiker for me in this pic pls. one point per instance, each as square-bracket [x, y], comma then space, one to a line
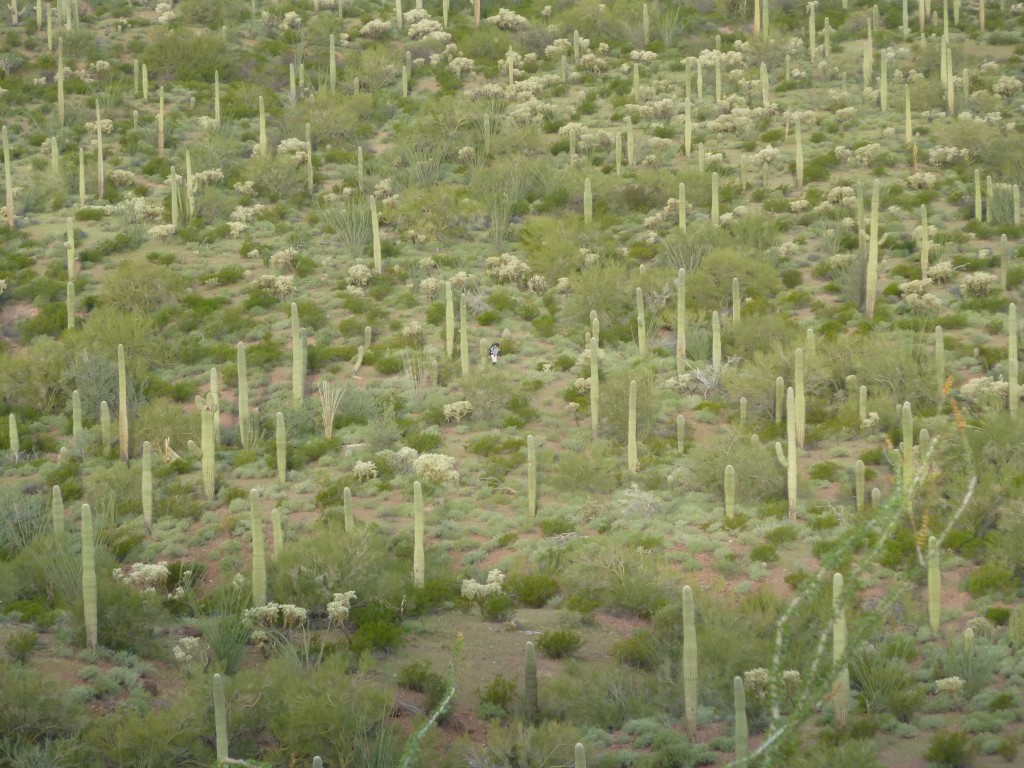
[494, 352]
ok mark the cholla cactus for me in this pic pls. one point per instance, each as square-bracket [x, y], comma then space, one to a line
[436, 467]
[474, 590]
[457, 411]
[145, 576]
[338, 609]
[364, 470]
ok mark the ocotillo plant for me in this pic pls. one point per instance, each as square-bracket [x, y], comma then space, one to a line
[729, 484]
[259, 561]
[632, 461]
[57, 511]
[147, 485]
[595, 389]
[740, 734]
[841, 690]
[281, 443]
[122, 403]
[418, 574]
[531, 476]
[934, 585]
[89, 579]
[689, 662]
[220, 718]
[530, 703]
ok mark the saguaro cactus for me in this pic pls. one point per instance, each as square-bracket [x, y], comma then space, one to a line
[350, 523]
[716, 341]
[76, 418]
[641, 322]
[740, 734]
[463, 335]
[207, 447]
[8, 182]
[12, 434]
[298, 374]
[729, 484]
[841, 689]
[530, 703]
[89, 579]
[799, 164]
[934, 585]
[378, 263]
[714, 199]
[595, 388]
[907, 449]
[417, 550]
[681, 322]
[689, 662]
[531, 476]
[859, 477]
[106, 437]
[1012, 374]
[588, 202]
[789, 459]
[871, 276]
[281, 443]
[147, 485]
[244, 426]
[259, 557]
[632, 460]
[220, 718]
[57, 510]
[70, 304]
[580, 752]
[681, 433]
[122, 403]
[799, 397]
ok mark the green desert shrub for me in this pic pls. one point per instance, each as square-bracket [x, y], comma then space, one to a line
[559, 643]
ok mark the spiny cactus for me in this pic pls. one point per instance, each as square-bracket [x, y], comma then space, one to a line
[689, 662]
[681, 321]
[449, 320]
[716, 341]
[681, 433]
[788, 460]
[259, 561]
[780, 399]
[349, 519]
[89, 579]
[378, 263]
[641, 323]
[841, 690]
[220, 718]
[1012, 374]
[632, 461]
[76, 418]
[122, 403]
[281, 442]
[907, 449]
[244, 424]
[580, 752]
[799, 164]
[934, 585]
[871, 276]
[418, 576]
[147, 485]
[858, 484]
[588, 202]
[531, 476]
[463, 335]
[736, 303]
[729, 483]
[298, 374]
[799, 398]
[595, 389]
[530, 703]
[106, 436]
[263, 128]
[70, 304]
[740, 734]
[12, 433]
[715, 218]
[57, 511]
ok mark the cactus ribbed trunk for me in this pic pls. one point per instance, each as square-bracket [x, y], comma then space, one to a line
[871, 276]
[463, 336]
[215, 400]
[1012, 375]
[740, 733]
[530, 703]
[106, 435]
[681, 322]
[799, 164]
[729, 483]
[220, 718]
[122, 404]
[350, 522]
[681, 433]
[12, 434]
[689, 662]
[580, 752]
[208, 447]
[588, 202]
[632, 460]
[595, 389]
[8, 180]
[934, 585]
[641, 323]
[244, 428]
[259, 558]
[277, 527]
[449, 320]
[716, 342]
[418, 573]
[57, 511]
[736, 302]
[76, 418]
[263, 128]
[298, 375]
[70, 304]
[907, 450]
[859, 478]
[147, 486]
[799, 397]
[281, 443]
[714, 199]
[780, 399]
[378, 262]
[89, 579]
[531, 476]
[841, 688]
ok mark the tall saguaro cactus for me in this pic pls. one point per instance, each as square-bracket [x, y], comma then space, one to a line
[871, 276]
[8, 182]
[418, 573]
[588, 202]
[689, 662]
[244, 424]
[281, 443]
[76, 418]
[259, 556]
[788, 460]
[57, 511]
[740, 733]
[378, 262]
[632, 460]
[641, 323]
[530, 703]
[147, 485]
[463, 336]
[350, 523]
[1012, 374]
[220, 718]
[681, 322]
[122, 404]
[89, 579]
[799, 397]
[298, 372]
[841, 688]
[934, 585]
[531, 476]
[729, 484]
[595, 388]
